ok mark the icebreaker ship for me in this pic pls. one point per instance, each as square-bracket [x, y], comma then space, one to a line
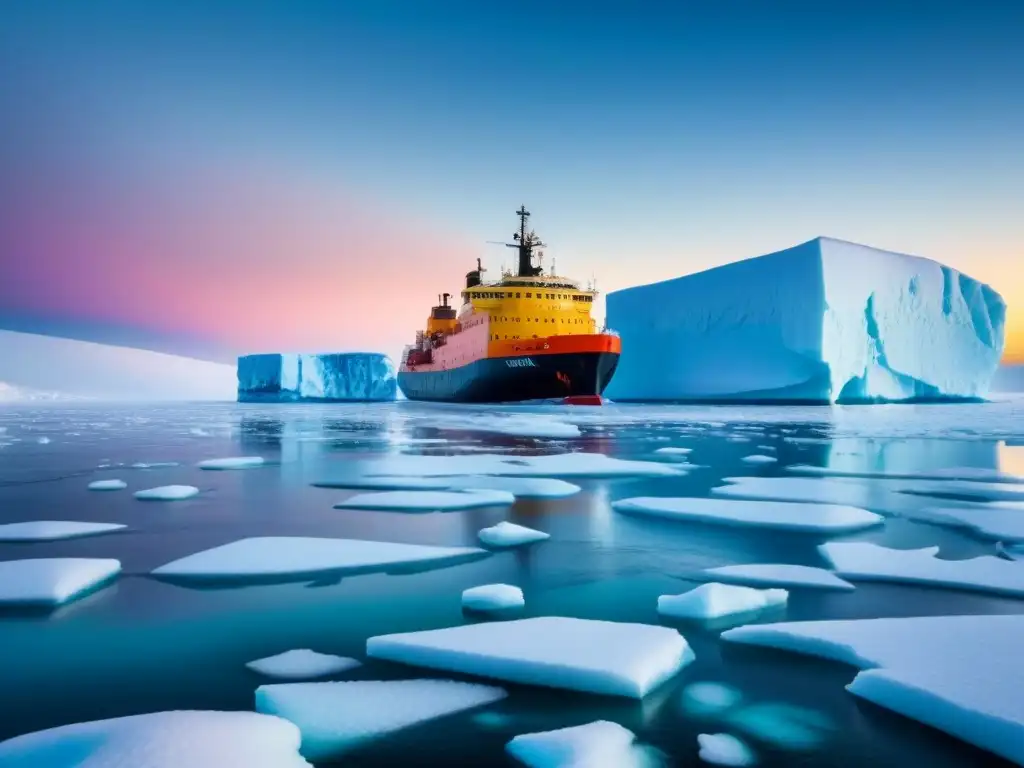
[825, 322]
[352, 376]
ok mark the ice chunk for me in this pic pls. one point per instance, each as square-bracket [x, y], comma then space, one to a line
[337, 717]
[724, 749]
[950, 473]
[603, 657]
[43, 440]
[154, 464]
[506, 534]
[871, 562]
[966, 488]
[716, 601]
[759, 459]
[994, 521]
[777, 575]
[386, 484]
[520, 487]
[492, 597]
[524, 426]
[550, 465]
[707, 698]
[52, 530]
[807, 490]
[600, 744]
[816, 518]
[355, 376]
[295, 557]
[826, 321]
[427, 501]
[671, 450]
[107, 485]
[182, 739]
[960, 674]
[52, 581]
[235, 462]
[167, 493]
[302, 663]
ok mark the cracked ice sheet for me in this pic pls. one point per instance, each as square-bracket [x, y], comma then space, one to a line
[959, 674]
[553, 465]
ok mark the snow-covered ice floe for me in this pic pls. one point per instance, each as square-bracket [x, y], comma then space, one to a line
[506, 534]
[870, 562]
[427, 501]
[302, 664]
[816, 518]
[600, 744]
[829, 321]
[602, 657]
[355, 376]
[53, 530]
[816, 491]
[520, 487]
[969, 489]
[182, 739]
[337, 717]
[52, 581]
[385, 484]
[717, 601]
[951, 473]
[492, 597]
[777, 575]
[724, 749]
[960, 674]
[272, 558]
[232, 462]
[994, 521]
[550, 465]
[168, 493]
[108, 485]
[759, 458]
[672, 450]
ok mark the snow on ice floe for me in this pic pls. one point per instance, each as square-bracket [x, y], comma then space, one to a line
[717, 601]
[600, 744]
[386, 484]
[53, 581]
[831, 321]
[492, 597]
[53, 530]
[520, 487]
[337, 717]
[427, 501]
[724, 749]
[970, 489]
[777, 575]
[154, 464]
[167, 493]
[870, 562]
[232, 462]
[182, 739]
[951, 473]
[817, 518]
[758, 458]
[302, 664]
[603, 657]
[550, 465]
[708, 698]
[506, 534]
[993, 521]
[959, 674]
[296, 557]
[672, 450]
[108, 485]
[813, 490]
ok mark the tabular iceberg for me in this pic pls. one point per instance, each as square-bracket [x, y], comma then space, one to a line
[827, 321]
[353, 376]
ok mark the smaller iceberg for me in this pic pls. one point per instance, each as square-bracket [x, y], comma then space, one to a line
[341, 377]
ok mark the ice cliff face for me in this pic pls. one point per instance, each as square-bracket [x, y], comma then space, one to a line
[334, 377]
[826, 321]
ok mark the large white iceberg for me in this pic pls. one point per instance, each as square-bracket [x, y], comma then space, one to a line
[353, 376]
[825, 321]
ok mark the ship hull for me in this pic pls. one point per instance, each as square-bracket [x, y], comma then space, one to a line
[513, 378]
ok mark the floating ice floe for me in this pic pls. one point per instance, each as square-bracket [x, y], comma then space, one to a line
[551, 465]
[492, 597]
[603, 657]
[337, 717]
[817, 518]
[525, 426]
[233, 462]
[385, 484]
[161, 740]
[871, 562]
[167, 493]
[154, 464]
[960, 674]
[707, 698]
[758, 458]
[813, 490]
[724, 749]
[302, 664]
[777, 575]
[951, 473]
[427, 501]
[52, 581]
[520, 487]
[672, 450]
[53, 530]
[294, 557]
[716, 601]
[994, 521]
[969, 489]
[108, 485]
[43, 440]
[600, 744]
[506, 534]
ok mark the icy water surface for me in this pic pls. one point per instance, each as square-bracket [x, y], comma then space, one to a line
[143, 645]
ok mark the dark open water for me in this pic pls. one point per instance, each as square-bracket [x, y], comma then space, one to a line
[143, 645]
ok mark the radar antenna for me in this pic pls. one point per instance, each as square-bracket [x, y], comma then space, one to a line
[525, 242]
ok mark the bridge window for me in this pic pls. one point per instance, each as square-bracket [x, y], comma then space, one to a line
[517, 294]
[529, 295]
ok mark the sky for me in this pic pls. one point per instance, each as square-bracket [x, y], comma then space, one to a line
[216, 178]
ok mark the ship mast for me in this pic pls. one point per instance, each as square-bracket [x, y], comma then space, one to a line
[525, 242]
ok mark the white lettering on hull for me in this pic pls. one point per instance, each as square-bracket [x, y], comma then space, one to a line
[520, 362]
